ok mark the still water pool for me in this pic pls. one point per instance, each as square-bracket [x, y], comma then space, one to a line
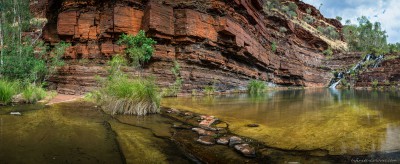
[337, 122]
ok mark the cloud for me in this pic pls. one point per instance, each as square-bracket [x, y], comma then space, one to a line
[384, 11]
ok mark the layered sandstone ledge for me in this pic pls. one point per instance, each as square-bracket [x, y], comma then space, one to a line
[219, 42]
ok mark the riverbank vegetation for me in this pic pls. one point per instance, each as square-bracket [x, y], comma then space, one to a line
[256, 87]
[25, 62]
[121, 93]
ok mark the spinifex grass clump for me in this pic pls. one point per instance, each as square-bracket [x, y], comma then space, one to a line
[33, 93]
[7, 90]
[256, 87]
[122, 94]
[137, 96]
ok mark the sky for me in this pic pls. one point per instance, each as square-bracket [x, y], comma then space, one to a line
[385, 11]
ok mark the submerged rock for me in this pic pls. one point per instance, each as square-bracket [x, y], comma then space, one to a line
[206, 140]
[207, 121]
[223, 140]
[234, 140]
[246, 150]
[253, 125]
[203, 132]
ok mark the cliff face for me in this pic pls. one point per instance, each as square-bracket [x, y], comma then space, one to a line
[387, 74]
[226, 42]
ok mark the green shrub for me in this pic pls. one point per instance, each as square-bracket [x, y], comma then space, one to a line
[375, 83]
[122, 95]
[309, 19]
[176, 87]
[256, 86]
[328, 52]
[209, 90]
[339, 18]
[329, 31]
[282, 29]
[33, 93]
[139, 48]
[131, 96]
[7, 90]
[273, 47]
[308, 10]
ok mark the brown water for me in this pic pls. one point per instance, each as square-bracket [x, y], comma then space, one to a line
[338, 122]
[78, 132]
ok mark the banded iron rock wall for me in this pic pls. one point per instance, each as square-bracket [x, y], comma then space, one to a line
[225, 42]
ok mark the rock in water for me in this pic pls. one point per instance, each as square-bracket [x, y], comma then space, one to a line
[253, 125]
[203, 132]
[16, 113]
[206, 140]
[246, 150]
[234, 140]
[223, 140]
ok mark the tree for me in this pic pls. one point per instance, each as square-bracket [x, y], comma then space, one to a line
[366, 36]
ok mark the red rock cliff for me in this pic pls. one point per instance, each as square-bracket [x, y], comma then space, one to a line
[226, 42]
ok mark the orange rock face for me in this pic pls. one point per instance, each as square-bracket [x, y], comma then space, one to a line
[214, 41]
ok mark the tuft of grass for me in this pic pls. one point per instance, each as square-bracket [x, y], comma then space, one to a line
[256, 87]
[138, 96]
[7, 90]
[375, 83]
[33, 93]
[209, 90]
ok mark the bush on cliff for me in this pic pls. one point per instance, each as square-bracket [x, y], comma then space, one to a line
[176, 87]
[256, 87]
[139, 48]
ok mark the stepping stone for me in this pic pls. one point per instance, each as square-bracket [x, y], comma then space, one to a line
[223, 140]
[203, 132]
[246, 150]
[206, 140]
[234, 140]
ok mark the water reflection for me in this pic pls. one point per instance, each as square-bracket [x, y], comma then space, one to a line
[340, 121]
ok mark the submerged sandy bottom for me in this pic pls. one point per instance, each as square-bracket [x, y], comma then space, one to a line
[340, 123]
[77, 132]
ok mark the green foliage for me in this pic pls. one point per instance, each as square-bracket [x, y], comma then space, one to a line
[176, 87]
[366, 36]
[123, 95]
[23, 58]
[309, 19]
[282, 29]
[32, 93]
[256, 87]
[329, 31]
[271, 4]
[7, 90]
[375, 83]
[339, 18]
[273, 47]
[328, 52]
[139, 48]
[308, 10]
[209, 90]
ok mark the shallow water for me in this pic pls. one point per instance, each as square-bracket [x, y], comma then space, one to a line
[338, 122]
[77, 132]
